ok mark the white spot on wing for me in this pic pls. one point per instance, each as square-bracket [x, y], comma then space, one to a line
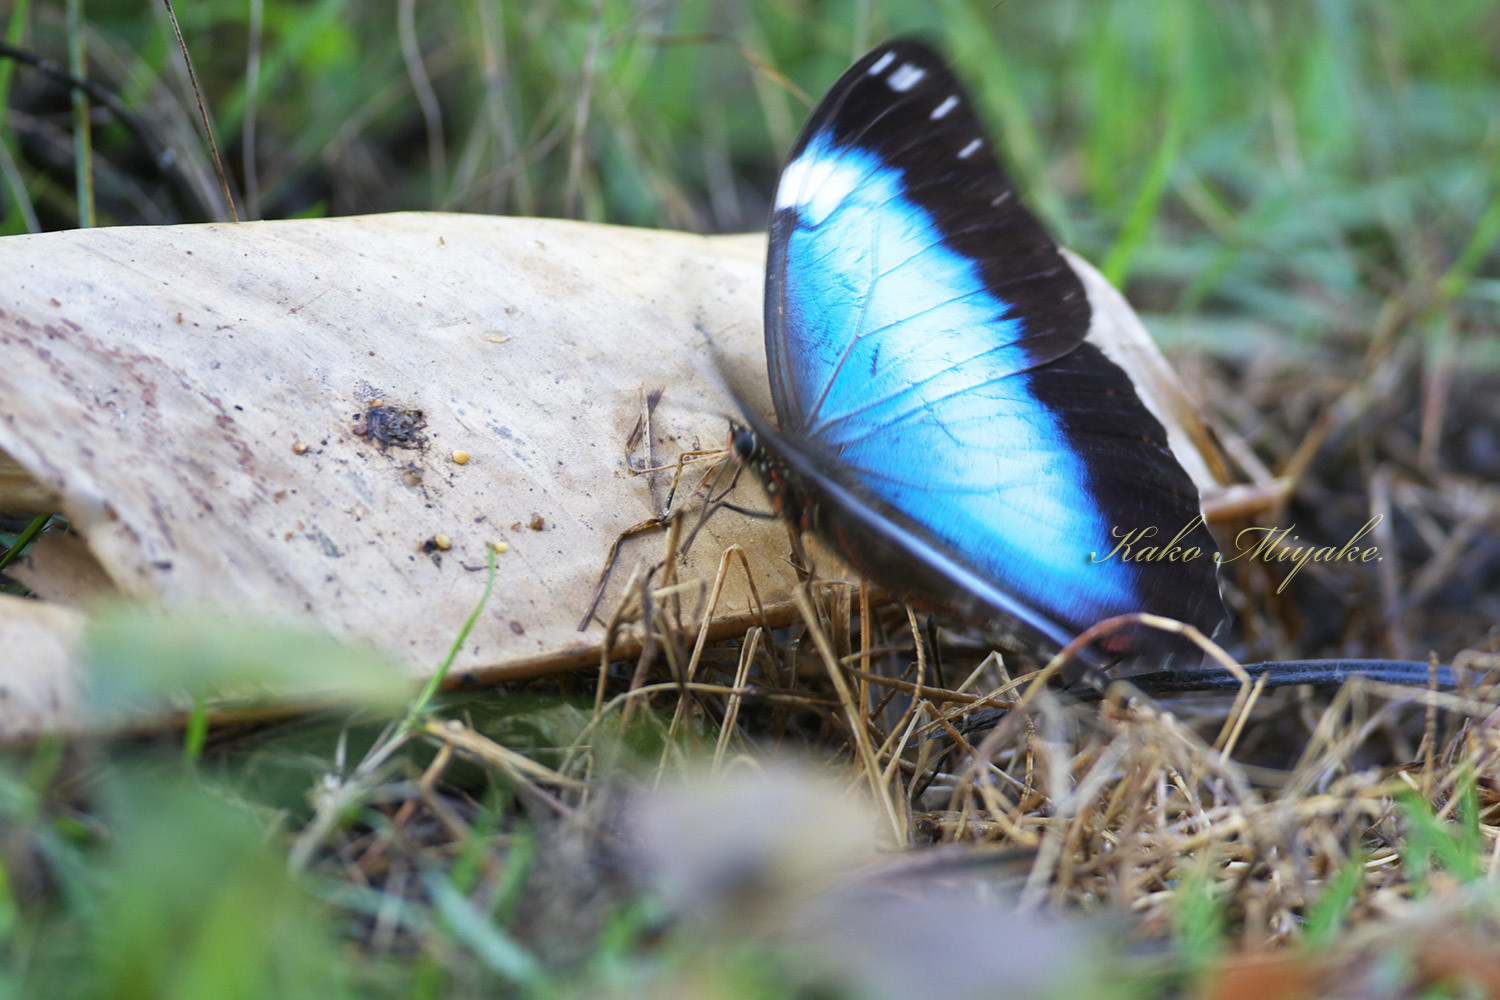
[1000, 199]
[880, 64]
[905, 78]
[816, 182]
[941, 111]
[970, 149]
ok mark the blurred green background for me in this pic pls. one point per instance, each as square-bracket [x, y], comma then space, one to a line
[1293, 164]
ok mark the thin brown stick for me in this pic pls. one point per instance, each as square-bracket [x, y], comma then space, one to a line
[208, 128]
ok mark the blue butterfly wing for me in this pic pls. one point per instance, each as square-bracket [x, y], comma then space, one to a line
[928, 363]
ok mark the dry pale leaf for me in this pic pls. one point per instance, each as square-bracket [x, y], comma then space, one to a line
[38, 682]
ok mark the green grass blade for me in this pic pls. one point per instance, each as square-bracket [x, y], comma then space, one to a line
[1327, 915]
[435, 682]
[83, 141]
[25, 538]
[495, 948]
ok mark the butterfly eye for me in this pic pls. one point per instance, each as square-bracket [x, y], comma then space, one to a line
[742, 442]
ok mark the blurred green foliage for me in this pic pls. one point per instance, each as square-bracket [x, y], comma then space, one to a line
[140, 660]
[1292, 163]
[166, 891]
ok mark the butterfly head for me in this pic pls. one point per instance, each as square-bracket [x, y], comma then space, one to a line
[743, 442]
[791, 489]
[750, 451]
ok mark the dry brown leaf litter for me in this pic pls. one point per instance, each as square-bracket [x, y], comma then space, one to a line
[1114, 807]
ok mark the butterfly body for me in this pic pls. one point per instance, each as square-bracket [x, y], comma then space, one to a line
[944, 423]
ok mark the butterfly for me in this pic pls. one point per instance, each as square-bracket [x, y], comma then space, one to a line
[944, 424]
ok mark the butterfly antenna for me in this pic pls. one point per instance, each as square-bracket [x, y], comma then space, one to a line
[1282, 673]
